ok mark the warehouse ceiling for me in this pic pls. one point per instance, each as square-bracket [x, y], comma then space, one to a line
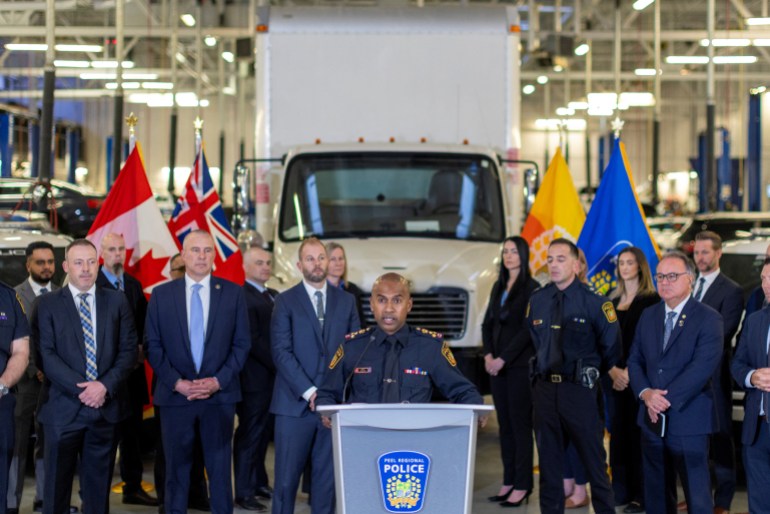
[201, 60]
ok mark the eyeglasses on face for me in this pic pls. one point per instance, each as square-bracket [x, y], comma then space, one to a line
[669, 277]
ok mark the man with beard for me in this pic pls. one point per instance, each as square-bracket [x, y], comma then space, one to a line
[40, 266]
[716, 290]
[309, 322]
[112, 275]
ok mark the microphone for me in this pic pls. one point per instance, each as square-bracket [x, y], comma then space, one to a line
[350, 375]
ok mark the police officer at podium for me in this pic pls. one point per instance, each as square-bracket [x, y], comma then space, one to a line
[394, 362]
[576, 337]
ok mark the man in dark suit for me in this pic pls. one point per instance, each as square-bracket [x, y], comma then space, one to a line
[751, 369]
[197, 337]
[86, 341]
[717, 291]
[676, 348]
[14, 357]
[254, 419]
[112, 276]
[309, 322]
[41, 266]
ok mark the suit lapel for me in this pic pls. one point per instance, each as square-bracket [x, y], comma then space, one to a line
[100, 301]
[331, 307]
[309, 307]
[74, 315]
[180, 299]
[680, 323]
[762, 360]
[214, 302]
[714, 290]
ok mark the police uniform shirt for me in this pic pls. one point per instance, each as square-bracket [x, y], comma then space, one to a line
[13, 323]
[425, 360]
[589, 330]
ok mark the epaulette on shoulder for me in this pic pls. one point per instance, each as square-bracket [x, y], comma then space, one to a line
[542, 288]
[357, 333]
[431, 333]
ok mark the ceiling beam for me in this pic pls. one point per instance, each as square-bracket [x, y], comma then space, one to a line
[145, 32]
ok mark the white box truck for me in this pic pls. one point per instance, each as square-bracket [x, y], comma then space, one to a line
[392, 126]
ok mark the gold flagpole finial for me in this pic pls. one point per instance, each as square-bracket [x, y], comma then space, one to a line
[131, 121]
[198, 123]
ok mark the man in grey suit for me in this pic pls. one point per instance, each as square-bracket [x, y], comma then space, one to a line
[309, 322]
[40, 266]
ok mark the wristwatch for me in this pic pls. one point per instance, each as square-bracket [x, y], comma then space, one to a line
[4, 390]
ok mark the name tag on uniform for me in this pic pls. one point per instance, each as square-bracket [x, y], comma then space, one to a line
[537, 322]
[415, 371]
[362, 370]
[579, 320]
[3, 317]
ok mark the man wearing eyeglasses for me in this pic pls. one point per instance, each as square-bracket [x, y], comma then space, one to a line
[676, 350]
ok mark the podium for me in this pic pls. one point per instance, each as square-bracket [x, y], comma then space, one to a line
[404, 457]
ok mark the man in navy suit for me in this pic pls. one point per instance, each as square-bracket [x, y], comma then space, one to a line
[254, 419]
[676, 349]
[197, 336]
[86, 343]
[716, 290]
[112, 276]
[751, 369]
[310, 320]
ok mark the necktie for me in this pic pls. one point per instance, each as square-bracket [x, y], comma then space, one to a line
[555, 358]
[88, 336]
[668, 328]
[699, 292]
[117, 285]
[43, 290]
[268, 296]
[196, 326]
[319, 307]
[390, 385]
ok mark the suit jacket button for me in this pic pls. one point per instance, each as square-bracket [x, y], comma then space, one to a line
[660, 372]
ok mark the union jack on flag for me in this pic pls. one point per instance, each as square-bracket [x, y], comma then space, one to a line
[199, 207]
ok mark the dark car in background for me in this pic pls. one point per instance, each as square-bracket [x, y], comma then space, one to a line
[13, 245]
[70, 209]
[729, 225]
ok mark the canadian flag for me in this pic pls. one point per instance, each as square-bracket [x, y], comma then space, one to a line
[130, 209]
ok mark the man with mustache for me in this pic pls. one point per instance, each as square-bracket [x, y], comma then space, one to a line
[309, 321]
[86, 341]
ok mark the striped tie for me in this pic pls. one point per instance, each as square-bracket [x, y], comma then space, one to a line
[88, 337]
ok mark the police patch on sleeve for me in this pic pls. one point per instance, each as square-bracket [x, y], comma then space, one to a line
[338, 355]
[526, 314]
[447, 353]
[609, 312]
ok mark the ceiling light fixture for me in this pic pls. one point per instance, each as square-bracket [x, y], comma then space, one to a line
[734, 42]
[71, 64]
[111, 64]
[645, 72]
[528, 89]
[228, 56]
[640, 5]
[735, 59]
[210, 41]
[687, 59]
[188, 19]
[42, 47]
[78, 48]
[542, 80]
[757, 21]
[582, 49]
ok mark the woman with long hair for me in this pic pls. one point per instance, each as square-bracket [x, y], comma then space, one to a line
[337, 275]
[507, 350]
[634, 293]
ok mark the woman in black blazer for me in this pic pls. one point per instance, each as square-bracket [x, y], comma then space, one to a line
[507, 350]
[337, 275]
[634, 293]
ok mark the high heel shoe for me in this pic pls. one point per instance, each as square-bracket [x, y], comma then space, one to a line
[524, 499]
[501, 497]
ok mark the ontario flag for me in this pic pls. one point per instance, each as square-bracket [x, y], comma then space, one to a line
[130, 210]
[557, 212]
[199, 207]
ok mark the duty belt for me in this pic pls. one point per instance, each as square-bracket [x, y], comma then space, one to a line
[557, 378]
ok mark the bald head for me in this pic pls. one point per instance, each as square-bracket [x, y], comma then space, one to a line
[391, 302]
[114, 253]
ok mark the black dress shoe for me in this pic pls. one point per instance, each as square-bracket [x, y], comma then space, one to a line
[37, 506]
[250, 504]
[265, 492]
[201, 504]
[633, 507]
[139, 497]
[11, 511]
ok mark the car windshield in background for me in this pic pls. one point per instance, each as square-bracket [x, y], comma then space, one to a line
[390, 195]
[13, 266]
[743, 268]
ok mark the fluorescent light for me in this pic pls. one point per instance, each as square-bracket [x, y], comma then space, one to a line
[113, 76]
[157, 85]
[761, 42]
[160, 100]
[600, 111]
[582, 49]
[228, 56]
[140, 76]
[578, 106]
[111, 64]
[542, 80]
[228, 90]
[528, 89]
[637, 99]
[78, 48]
[126, 85]
[687, 59]
[187, 99]
[71, 64]
[758, 90]
[735, 59]
[204, 103]
[27, 47]
[180, 57]
[644, 72]
[210, 41]
[188, 19]
[565, 111]
[556, 124]
[640, 5]
[726, 42]
[757, 21]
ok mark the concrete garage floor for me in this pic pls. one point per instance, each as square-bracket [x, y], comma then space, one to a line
[486, 483]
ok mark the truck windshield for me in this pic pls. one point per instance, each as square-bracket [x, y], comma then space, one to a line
[391, 194]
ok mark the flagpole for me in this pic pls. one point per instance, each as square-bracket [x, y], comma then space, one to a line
[131, 121]
[198, 123]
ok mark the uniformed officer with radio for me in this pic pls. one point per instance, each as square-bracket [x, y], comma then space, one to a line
[394, 362]
[14, 356]
[576, 337]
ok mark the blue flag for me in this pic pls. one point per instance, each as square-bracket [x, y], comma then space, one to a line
[615, 221]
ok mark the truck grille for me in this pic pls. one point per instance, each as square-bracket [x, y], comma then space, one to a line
[443, 310]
